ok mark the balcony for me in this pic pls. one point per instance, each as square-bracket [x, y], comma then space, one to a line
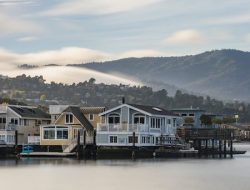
[122, 128]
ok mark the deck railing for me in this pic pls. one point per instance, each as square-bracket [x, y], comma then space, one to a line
[33, 139]
[123, 128]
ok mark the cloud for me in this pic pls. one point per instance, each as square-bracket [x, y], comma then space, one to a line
[64, 56]
[27, 39]
[13, 2]
[68, 55]
[11, 24]
[188, 36]
[97, 7]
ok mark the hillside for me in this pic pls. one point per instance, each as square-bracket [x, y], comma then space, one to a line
[222, 74]
[35, 91]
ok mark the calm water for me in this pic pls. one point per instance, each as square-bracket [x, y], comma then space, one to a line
[176, 174]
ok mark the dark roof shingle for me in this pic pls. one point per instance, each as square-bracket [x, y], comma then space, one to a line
[76, 111]
[30, 112]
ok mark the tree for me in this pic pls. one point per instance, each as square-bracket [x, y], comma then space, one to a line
[42, 97]
[217, 121]
[206, 120]
[189, 120]
[92, 81]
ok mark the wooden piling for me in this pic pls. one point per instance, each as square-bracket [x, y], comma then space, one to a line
[133, 139]
[213, 148]
[199, 147]
[78, 145]
[231, 148]
[220, 148]
[225, 148]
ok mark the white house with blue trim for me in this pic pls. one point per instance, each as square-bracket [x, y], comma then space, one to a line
[153, 126]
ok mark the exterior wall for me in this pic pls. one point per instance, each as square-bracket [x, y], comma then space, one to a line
[97, 119]
[125, 128]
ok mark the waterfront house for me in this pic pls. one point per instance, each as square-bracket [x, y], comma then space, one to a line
[65, 129]
[139, 125]
[92, 114]
[189, 117]
[25, 119]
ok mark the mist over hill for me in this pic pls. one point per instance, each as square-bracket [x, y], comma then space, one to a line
[223, 74]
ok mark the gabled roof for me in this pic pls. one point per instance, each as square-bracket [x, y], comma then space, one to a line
[30, 112]
[154, 110]
[148, 110]
[76, 111]
[92, 110]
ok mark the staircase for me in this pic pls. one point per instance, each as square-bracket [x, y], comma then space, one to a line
[69, 148]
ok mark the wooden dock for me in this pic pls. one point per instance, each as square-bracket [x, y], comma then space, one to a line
[47, 154]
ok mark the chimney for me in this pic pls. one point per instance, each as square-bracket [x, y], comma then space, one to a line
[123, 100]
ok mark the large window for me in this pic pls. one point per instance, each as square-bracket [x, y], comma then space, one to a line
[58, 132]
[68, 118]
[139, 119]
[114, 119]
[49, 133]
[157, 122]
[113, 139]
[62, 133]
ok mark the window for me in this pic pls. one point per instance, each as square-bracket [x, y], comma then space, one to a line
[62, 133]
[69, 118]
[113, 139]
[174, 122]
[184, 114]
[145, 139]
[1, 120]
[191, 114]
[14, 121]
[49, 134]
[169, 121]
[130, 139]
[91, 117]
[139, 119]
[114, 119]
[157, 122]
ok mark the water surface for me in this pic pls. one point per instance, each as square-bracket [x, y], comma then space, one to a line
[149, 174]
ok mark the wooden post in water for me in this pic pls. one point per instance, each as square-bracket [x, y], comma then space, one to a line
[213, 148]
[16, 142]
[206, 149]
[199, 147]
[231, 148]
[225, 148]
[220, 148]
[78, 144]
[84, 138]
[94, 138]
[133, 139]
[133, 148]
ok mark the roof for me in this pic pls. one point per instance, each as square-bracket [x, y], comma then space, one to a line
[187, 110]
[76, 111]
[30, 112]
[92, 110]
[154, 110]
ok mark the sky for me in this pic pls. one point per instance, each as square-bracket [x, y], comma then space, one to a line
[40, 32]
